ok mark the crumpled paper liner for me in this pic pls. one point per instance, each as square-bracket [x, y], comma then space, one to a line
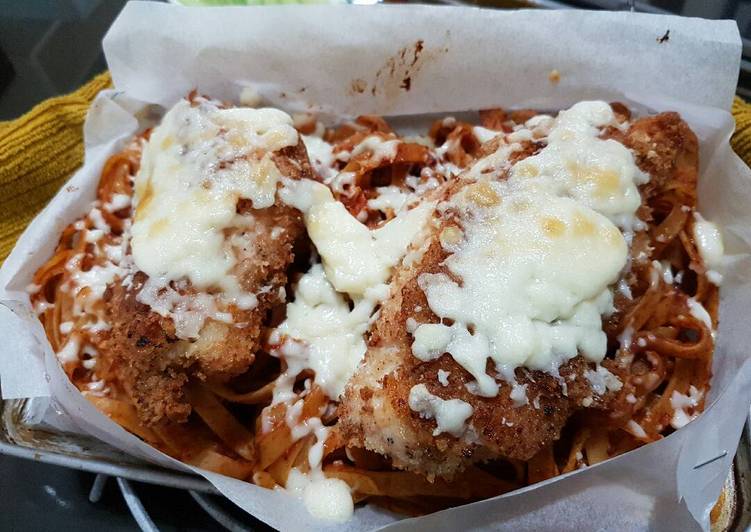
[416, 60]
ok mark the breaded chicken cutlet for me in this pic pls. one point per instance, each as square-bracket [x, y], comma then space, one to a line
[144, 353]
[375, 412]
[350, 315]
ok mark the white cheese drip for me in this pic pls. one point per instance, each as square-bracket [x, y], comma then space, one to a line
[379, 148]
[708, 241]
[698, 311]
[636, 430]
[450, 415]
[321, 156]
[390, 198]
[70, 350]
[483, 134]
[320, 331]
[680, 402]
[117, 203]
[328, 336]
[327, 499]
[354, 257]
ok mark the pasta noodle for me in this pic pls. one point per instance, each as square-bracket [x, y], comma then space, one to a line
[659, 343]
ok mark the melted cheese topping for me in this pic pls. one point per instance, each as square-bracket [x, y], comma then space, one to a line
[328, 499]
[535, 253]
[354, 257]
[576, 163]
[70, 351]
[450, 415]
[332, 334]
[321, 156]
[379, 149]
[708, 241]
[391, 198]
[321, 332]
[680, 402]
[698, 311]
[483, 134]
[195, 167]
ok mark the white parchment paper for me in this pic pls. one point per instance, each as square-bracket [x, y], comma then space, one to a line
[413, 60]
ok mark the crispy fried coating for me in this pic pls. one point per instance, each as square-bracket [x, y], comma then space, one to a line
[375, 413]
[142, 350]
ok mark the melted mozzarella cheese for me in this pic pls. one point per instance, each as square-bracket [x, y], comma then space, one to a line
[679, 402]
[328, 499]
[321, 156]
[321, 332]
[324, 334]
[450, 415]
[118, 202]
[379, 149]
[636, 430]
[354, 257]
[483, 134]
[698, 311]
[195, 167]
[708, 241]
[600, 174]
[535, 253]
[390, 198]
[331, 334]
[534, 272]
[70, 350]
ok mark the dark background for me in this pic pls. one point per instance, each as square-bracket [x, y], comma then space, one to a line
[54, 45]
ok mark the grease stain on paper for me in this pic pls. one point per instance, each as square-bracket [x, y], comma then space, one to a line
[398, 72]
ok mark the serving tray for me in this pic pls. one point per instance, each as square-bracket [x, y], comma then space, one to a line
[22, 437]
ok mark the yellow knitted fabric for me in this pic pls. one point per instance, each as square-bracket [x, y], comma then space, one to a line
[40, 150]
[741, 140]
[38, 153]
